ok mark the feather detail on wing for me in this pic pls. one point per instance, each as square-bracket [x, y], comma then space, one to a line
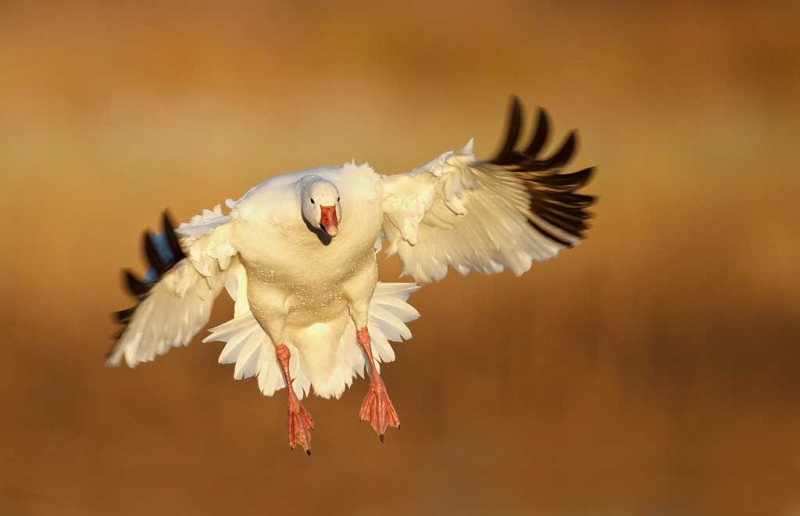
[188, 268]
[319, 359]
[490, 215]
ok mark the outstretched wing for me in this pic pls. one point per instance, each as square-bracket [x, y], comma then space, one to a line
[187, 271]
[487, 215]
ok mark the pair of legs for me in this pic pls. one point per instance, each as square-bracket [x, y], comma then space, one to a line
[376, 408]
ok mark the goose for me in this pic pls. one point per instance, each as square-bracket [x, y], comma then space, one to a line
[297, 254]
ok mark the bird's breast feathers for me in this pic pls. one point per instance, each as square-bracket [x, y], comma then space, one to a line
[277, 245]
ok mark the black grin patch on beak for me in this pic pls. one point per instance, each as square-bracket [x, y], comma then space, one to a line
[322, 234]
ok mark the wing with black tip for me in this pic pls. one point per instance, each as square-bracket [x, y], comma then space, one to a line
[188, 269]
[487, 215]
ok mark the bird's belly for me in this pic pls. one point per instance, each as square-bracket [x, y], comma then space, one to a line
[310, 283]
[306, 310]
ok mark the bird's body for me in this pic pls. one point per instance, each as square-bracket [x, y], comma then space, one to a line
[301, 269]
[297, 253]
[296, 279]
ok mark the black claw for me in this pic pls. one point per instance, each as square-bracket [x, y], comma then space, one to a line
[308, 452]
[381, 437]
[539, 137]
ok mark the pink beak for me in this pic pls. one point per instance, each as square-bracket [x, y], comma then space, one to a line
[328, 220]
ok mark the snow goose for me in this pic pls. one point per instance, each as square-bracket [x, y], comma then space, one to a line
[297, 253]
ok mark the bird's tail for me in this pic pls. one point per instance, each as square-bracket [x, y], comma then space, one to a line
[253, 352]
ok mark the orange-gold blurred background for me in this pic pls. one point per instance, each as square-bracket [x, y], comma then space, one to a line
[651, 371]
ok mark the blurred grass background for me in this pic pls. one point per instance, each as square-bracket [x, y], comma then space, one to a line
[651, 371]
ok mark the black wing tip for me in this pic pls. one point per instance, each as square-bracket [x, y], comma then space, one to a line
[172, 237]
[138, 287]
[513, 129]
[158, 262]
[563, 155]
[124, 316]
[542, 117]
[549, 234]
[589, 173]
[540, 134]
[167, 220]
[527, 159]
[154, 258]
[541, 113]
[567, 183]
[554, 201]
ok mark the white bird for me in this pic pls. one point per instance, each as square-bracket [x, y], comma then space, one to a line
[297, 253]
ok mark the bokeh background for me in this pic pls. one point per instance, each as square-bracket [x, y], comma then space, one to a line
[651, 371]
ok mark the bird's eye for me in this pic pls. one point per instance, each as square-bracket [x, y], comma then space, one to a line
[312, 200]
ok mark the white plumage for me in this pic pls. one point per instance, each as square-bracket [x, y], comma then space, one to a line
[297, 253]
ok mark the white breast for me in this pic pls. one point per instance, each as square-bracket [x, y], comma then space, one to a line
[278, 248]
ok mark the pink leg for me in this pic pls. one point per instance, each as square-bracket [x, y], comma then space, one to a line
[300, 422]
[376, 408]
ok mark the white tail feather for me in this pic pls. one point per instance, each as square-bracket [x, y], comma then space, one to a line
[249, 347]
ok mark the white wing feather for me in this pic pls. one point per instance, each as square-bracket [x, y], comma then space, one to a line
[179, 304]
[458, 212]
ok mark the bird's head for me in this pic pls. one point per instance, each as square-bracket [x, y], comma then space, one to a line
[321, 206]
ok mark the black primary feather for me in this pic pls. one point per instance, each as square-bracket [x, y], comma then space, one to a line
[172, 238]
[153, 257]
[553, 197]
[160, 264]
[539, 137]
